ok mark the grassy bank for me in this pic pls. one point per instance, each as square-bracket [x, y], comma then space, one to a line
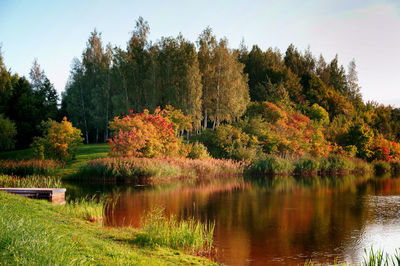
[37, 233]
[157, 169]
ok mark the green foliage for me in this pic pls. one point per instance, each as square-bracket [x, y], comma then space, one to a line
[335, 163]
[198, 151]
[59, 141]
[361, 136]
[319, 114]
[8, 132]
[228, 141]
[306, 165]
[158, 230]
[271, 165]
[381, 167]
[351, 150]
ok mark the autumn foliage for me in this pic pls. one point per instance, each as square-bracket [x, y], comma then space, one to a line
[144, 135]
[60, 141]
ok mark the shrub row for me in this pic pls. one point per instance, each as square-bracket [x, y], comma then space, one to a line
[133, 168]
[275, 165]
[28, 167]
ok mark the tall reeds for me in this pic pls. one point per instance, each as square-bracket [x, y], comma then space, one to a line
[132, 168]
[28, 167]
[31, 181]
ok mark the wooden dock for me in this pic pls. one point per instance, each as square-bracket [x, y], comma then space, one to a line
[55, 195]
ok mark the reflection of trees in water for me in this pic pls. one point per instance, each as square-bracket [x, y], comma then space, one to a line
[265, 218]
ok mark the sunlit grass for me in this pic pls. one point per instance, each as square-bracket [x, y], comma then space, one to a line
[34, 232]
[31, 181]
[158, 230]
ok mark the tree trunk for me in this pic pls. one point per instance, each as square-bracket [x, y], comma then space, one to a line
[97, 135]
[84, 114]
[107, 105]
[205, 119]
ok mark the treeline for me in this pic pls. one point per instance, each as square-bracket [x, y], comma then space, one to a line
[216, 86]
[210, 82]
[209, 85]
[23, 105]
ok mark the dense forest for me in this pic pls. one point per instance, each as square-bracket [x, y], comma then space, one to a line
[242, 103]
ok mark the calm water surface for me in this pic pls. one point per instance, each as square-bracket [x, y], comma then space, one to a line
[280, 220]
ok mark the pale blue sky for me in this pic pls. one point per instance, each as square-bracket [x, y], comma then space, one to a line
[56, 31]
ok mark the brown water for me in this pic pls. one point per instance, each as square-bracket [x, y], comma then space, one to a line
[281, 220]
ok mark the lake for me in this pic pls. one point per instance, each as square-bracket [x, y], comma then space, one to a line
[275, 220]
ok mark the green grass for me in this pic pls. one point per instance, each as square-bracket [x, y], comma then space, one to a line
[31, 181]
[34, 232]
[84, 154]
[190, 235]
[89, 209]
[379, 258]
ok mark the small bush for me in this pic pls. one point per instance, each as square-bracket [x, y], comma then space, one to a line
[8, 132]
[28, 167]
[335, 163]
[381, 166]
[306, 165]
[60, 141]
[158, 230]
[351, 150]
[198, 151]
[271, 165]
[395, 166]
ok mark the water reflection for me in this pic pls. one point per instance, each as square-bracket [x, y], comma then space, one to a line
[280, 220]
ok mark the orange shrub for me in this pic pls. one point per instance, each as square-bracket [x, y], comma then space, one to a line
[144, 135]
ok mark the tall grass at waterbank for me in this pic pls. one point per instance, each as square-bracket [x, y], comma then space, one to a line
[379, 258]
[89, 209]
[371, 257]
[30, 181]
[276, 165]
[133, 169]
[34, 232]
[28, 167]
[188, 235]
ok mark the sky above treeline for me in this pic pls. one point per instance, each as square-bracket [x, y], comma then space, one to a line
[55, 32]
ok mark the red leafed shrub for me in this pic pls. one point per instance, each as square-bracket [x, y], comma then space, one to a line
[144, 135]
[385, 150]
